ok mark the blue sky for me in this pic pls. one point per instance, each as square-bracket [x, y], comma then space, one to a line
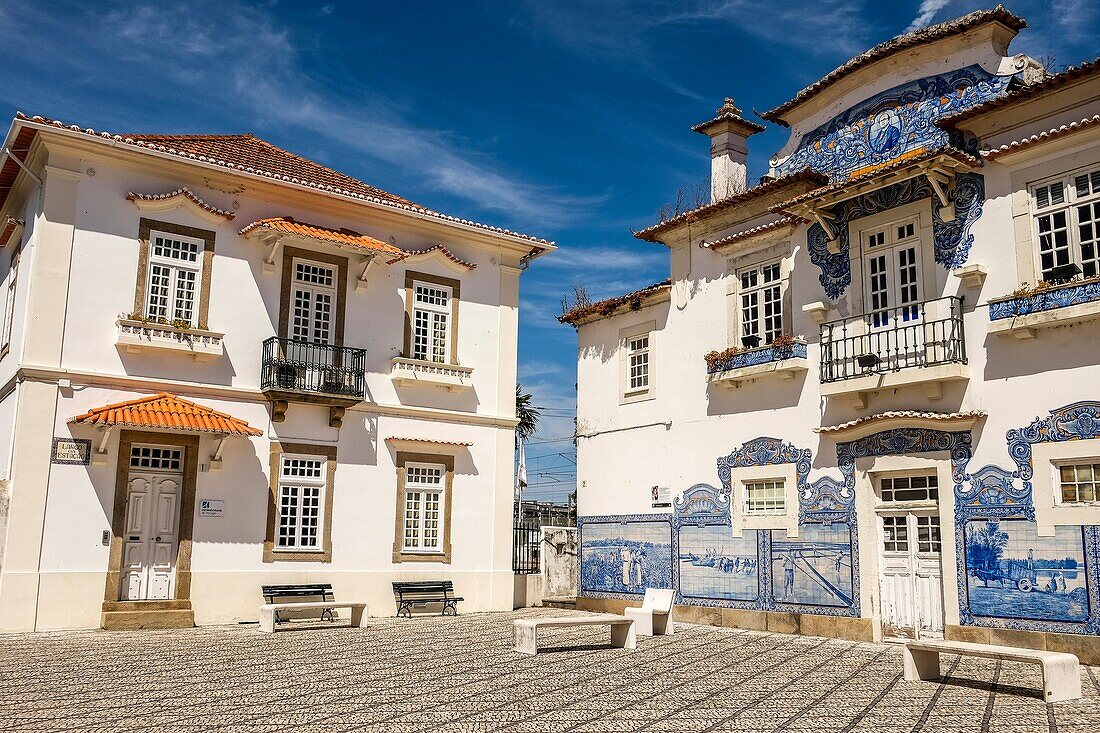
[566, 120]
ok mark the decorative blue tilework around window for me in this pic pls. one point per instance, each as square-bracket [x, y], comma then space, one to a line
[891, 123]
[1086, 292]
[764, 452]
[622, 555]
[765, 355]
[951, 240]
[902, 441]
[1009, 576]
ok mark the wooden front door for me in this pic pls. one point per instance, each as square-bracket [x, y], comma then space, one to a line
[912, 578]
[151, 539]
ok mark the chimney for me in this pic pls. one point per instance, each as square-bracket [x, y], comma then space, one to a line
[729, 133]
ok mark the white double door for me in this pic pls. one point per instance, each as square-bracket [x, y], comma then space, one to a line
[911, 587]
[151, 542]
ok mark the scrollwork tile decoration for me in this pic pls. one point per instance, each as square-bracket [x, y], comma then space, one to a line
[1085, 292]
[951, 240]
[891, 123]
[764, 452]
[1008, 576]
[764, 355]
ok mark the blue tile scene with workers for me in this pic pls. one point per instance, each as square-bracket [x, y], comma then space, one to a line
[626, 557]
[714, 564]
[1012, 572]
[814, 569]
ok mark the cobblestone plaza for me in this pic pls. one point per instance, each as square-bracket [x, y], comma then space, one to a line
[461, 674]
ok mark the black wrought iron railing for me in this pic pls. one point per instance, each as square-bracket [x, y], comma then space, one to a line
[889, 340]
[526, 542]
[299, 366]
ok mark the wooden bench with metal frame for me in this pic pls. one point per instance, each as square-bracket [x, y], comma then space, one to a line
[270, 611]
[425, 592]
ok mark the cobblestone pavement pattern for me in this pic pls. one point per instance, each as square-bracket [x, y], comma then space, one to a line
[461, 674]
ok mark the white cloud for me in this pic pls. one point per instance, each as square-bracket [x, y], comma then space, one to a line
[241, 59]
[926, 12]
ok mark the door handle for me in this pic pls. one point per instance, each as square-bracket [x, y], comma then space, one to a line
[158, 538]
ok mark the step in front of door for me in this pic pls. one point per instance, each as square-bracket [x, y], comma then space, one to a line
[151, 618]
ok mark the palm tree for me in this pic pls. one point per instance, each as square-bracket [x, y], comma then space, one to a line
[528, 415]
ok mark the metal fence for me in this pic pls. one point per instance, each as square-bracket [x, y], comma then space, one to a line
[889, 340]
[526, 543]
[299, 366]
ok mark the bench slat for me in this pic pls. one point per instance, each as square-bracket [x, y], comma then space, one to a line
[986, 650]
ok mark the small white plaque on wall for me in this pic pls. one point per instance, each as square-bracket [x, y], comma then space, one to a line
[661, 497]
[211, 508]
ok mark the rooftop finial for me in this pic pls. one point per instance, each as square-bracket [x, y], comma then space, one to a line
[728, 107]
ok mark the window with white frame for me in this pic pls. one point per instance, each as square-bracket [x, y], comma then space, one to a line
[928, 532]
[301, 499]
[9, 305]
[313, 293]
[761, 313]
[919, 487]
[891, 267]
[423, 525]
[174, 278]
[1067, 222]
[1079, 482]
[765, 497]
[637, 363]
[431, 315]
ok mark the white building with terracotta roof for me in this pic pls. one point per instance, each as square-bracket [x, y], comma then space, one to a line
[226, 366]
[865, 403]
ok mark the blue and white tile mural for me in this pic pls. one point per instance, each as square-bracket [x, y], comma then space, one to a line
[1009, 576]
[1011, 572]
[714, 564]
[625, 555]
[814, 569]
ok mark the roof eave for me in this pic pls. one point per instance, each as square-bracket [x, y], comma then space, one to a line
[515, 239]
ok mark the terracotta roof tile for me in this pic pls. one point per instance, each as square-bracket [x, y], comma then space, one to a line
[167, 412]
[427, 441]
[609, 306]
[187, 194]
[287, 225]
[1040, 137]
[919, 156]
[650, 233]
[895, 45]
[436, 248]
[908, 414]
[1051, 83]
[749, 233]
[249, 154]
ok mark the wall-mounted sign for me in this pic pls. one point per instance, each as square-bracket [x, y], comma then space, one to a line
[662, 497]
[211, 507]
[76, 451]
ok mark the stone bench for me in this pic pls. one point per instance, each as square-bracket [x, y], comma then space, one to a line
[1061, 671]
[622, 630]
[269, 611]
[655, 615]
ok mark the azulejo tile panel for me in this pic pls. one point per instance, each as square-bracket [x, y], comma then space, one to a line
[765, 355]
[714, 565]
[622, 555]
[814, 569]
[1085, 292]
[1011, 572]
[1010, 576]
[891, 123]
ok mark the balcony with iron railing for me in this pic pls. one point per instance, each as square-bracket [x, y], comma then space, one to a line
[299, 371]
[914, 344]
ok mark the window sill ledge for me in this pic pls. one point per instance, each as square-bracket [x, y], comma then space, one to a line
[1025, 326]
[784, 369]
[140, 336]
[414, 371]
